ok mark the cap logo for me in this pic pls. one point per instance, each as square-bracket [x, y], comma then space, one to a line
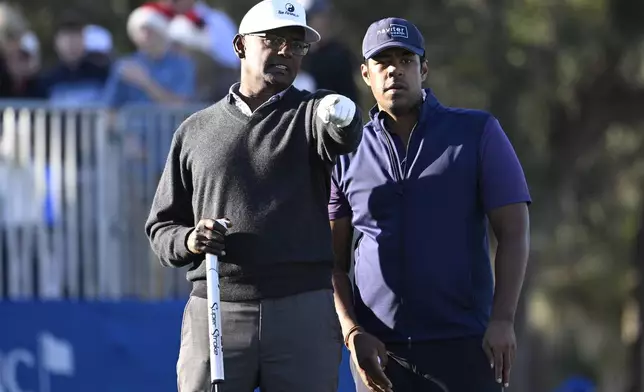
[289, 10]
[394, 31]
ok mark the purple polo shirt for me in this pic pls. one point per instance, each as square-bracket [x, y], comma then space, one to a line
[422, 263]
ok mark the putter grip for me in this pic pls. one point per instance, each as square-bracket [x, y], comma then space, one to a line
[214, 319]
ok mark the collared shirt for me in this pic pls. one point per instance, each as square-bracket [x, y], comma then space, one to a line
[233, 96]
[422, 264]
[401, 148]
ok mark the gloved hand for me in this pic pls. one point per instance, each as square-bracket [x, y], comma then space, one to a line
[336, 109]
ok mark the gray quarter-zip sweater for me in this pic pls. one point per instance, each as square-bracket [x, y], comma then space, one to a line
[269, 174]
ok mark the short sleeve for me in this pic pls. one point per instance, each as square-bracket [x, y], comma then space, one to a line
[502, 180]
[338, 204]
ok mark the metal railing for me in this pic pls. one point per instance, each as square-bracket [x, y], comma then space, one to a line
[76, 185]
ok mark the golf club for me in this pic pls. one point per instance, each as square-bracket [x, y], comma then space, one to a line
[214, 320]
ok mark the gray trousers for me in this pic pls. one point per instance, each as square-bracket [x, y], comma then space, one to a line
[288, 344]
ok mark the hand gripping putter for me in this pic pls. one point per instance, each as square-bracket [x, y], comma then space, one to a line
[214, 319]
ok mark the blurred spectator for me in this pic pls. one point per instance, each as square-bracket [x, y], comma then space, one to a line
[75, 79]
[188, 35]
[30, 44]
[188, 31]
[329, 61]
[12, 27]
[98, 44]
[304, 81]
[20, 56]
[19, 77]
[221, 29]
[154, 73]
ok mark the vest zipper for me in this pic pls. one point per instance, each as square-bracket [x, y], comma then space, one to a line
[393, 157]
[400, 173]
[411, 134]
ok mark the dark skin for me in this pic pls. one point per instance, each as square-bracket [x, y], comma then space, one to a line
[208, 237]
[511, 226]
[266, 71]
[395, 77]
[365, 348]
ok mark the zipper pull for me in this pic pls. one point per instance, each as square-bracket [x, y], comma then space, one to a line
[409, 342]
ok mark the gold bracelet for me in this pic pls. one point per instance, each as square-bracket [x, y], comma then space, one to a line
[352, 330]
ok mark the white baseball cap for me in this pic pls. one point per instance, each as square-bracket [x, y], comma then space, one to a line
[273, 14]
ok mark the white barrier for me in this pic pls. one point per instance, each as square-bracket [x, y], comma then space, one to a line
[75, 189]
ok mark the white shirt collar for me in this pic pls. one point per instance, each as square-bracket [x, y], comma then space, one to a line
[233, 96]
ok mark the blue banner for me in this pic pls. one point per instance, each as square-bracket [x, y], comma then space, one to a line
[99, 347]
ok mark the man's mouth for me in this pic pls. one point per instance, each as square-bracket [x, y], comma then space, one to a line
[281, 67]
[395, 86]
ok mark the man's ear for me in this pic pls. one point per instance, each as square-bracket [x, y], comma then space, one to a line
[364, 71]
[424, 70]
[239, 46]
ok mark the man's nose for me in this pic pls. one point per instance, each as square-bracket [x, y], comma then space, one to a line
[285, 51]
[394, 70]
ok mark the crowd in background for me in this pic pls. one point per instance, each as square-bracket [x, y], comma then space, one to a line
[183, 53]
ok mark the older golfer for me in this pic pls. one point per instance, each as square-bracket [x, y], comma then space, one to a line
[261, 158]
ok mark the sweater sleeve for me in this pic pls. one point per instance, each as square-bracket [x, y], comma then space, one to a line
[331, 140]
[171, 218]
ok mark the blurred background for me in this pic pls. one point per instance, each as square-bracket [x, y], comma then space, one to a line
[91, 91]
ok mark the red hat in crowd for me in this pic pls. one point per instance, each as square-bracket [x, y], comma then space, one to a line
[190, 30]
[152, 15]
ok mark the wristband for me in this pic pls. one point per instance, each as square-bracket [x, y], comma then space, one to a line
[355, 328]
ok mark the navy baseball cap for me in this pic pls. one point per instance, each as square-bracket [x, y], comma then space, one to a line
[392, 33]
